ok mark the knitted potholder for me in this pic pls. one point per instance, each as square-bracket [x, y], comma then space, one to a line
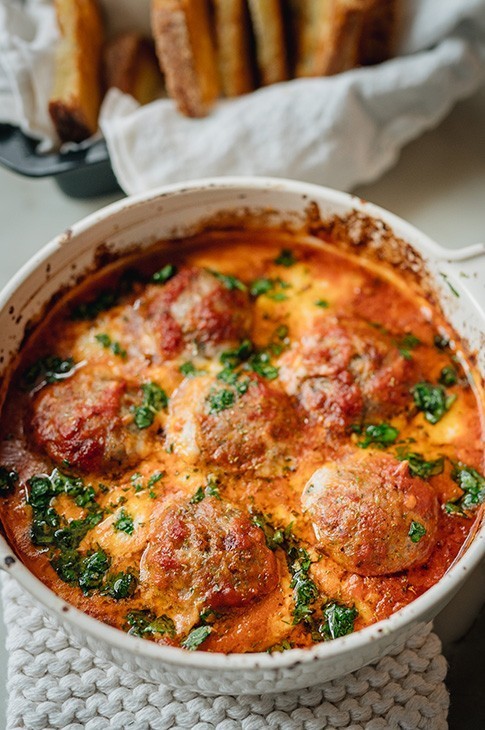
[55, 683]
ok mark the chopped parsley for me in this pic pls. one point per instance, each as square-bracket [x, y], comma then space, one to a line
[196, 637]
[381, 434]
[450, 285]
[164, 274]
[188, 369]
[261, 286]
[260, 364]
[441, 342]
[305, 591]
[285, 258]
[92, 570]
[406, 343]
[416, 531]
[49, 369]
[221, 400]
[8, 480]
[143, 622]
[448, 376]
[122, 585]
[432, 400]
[124, 523]
[473, 485]
[279, 648]
[115, 347]
[210, 490]
[322, 303]
[233, 358]
[339, 620]
[154, 399]
[419, 466]
[89, 310]
[230, 282]
[155, 478]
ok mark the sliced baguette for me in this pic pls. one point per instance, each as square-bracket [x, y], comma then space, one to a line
[76, 96]
[130, 64]
[269, 33]
[233, 46]
[185, 50]
[330, 34]
[377, 41]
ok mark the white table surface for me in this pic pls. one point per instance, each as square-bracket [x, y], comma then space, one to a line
[438, 185]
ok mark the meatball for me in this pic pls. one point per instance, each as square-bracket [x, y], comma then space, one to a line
[346, 371]
[370, 515]
[250, 425]
[196, 313]
[80, 421]
[208, 554]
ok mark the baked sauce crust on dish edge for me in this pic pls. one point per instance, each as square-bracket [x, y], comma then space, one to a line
[251, 441]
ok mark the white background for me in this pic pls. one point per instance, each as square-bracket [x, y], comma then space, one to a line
[438, 185]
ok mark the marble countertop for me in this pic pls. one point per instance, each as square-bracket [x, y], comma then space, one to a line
[438, 184]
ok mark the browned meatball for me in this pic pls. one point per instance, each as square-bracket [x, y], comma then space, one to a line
[208, 554]
[250, 428]
[196, 313]
[80, 421]
[347, 371]
[370, 515]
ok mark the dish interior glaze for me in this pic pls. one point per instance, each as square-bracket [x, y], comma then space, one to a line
[249, 441]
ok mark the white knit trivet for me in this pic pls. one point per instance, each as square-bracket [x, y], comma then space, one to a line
[54, 683]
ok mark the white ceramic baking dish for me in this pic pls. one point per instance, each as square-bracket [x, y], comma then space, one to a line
[171, 212]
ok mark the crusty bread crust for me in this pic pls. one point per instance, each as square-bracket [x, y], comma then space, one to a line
[76, 97]
[337, 35]
[267, 21]
[130, 64]
[233, 46]
[185, 50]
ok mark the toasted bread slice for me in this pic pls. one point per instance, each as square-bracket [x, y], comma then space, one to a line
[185, 50]
[233, 46]
[330, 34]
[377, 40]
[267, 22]
[130, 64]
[76, 97]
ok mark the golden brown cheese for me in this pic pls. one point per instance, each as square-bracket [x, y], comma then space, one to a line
[257, 442]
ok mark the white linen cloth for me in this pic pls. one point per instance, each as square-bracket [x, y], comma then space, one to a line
[55, 684]
[341, 131]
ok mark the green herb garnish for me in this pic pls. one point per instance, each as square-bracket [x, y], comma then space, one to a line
[196, 637]
[92, 570]
[115, 347]
[165, 274]
[260, 364]
[89, 310]
[261, 286]
[49, 369]
[381, 434]
[154, 399]
[144, 622]
[432, 400]
[188, 369]
[419, 467]
[448, 376]
[8, 480]
[122, 585]
[221, 400]
[230, 282]
[285, 258]
[416, 531]
[124, 523]
[406, 343]
[473, 485]
[322, 303]
[339, 620]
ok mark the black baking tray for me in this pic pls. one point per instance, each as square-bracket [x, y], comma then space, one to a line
[83, 173]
